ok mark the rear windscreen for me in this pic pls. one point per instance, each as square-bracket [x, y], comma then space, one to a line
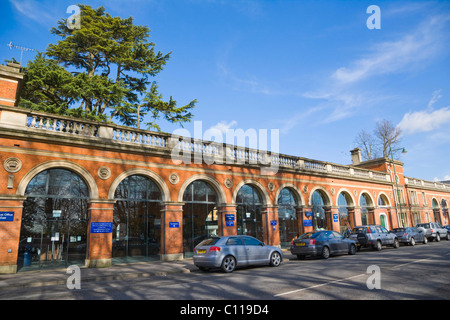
[209, 242]
[309, 235]
[359, 230]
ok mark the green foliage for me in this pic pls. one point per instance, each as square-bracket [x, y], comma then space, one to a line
[104, 67]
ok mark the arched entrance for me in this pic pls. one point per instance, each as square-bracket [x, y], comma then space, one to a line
[287, 216]
[436, 211]
[384, 203]
[54, 220]
[137, 219]
[365, 204]
[444, 211]
[344, 203]
[318, 208]
[200, 218]
[249, 217]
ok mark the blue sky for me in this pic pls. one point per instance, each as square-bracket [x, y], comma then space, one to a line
[311, 69]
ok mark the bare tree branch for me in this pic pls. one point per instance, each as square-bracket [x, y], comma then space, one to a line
[388, 136]
[366, 142]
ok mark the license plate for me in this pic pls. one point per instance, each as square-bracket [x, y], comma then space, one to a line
[300, 244]
[201, 251]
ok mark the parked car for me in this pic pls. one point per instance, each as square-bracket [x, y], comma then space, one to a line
[322, 243]
[448, 229]
[374, 236]
[434, 231]
[410, 235]
[230, 252]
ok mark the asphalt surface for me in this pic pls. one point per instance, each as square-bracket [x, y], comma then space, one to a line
[406, 273]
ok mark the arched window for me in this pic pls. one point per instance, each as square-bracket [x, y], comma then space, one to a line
[199, 214]
[318, 201]
[287, 216]
[249, 219]
[137, 218]
[382, 201]
[54, 220]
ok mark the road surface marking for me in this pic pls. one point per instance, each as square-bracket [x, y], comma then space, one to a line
[320, 285]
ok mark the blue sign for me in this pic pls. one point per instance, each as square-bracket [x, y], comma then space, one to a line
[273, 222]
[230, 223]
[308, 223]
[335, 217]
[6, 215]
[308, 214]
[174, 224]
[229, 217]
[101, 227]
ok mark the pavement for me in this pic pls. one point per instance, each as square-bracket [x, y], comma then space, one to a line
[124, 271]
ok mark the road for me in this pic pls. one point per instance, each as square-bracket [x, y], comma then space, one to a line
[407, 273]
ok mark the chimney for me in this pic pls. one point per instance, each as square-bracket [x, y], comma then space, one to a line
[10, 83]
[356, 156]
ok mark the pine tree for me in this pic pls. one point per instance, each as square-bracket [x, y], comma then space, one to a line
[101, 71]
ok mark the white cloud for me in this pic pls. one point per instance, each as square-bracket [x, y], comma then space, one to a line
[248, 83]
[396, 56]
[35, 10]
[423, 121]
[435, 97]
[446, 178]
[223, 126]
[345, 90]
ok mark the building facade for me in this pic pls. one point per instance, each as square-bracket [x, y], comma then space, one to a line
[74, 191]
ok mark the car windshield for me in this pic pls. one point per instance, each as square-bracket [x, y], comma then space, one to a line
[424, 225]
[399, 230]
[209, 242]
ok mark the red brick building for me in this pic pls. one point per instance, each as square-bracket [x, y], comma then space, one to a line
[75, 191]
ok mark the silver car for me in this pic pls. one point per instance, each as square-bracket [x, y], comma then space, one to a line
[230, 252]
[434, 231]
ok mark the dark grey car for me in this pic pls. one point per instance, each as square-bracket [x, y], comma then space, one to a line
[322, 243]
[230, 252]
[410, 235]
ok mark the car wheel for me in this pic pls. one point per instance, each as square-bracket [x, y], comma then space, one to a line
[377, 247]
[412, 242]
[325, 253]
[438, 237]
[352, 249]
[228, 264]
[425, 240]
[275, 259]
[396, 244]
